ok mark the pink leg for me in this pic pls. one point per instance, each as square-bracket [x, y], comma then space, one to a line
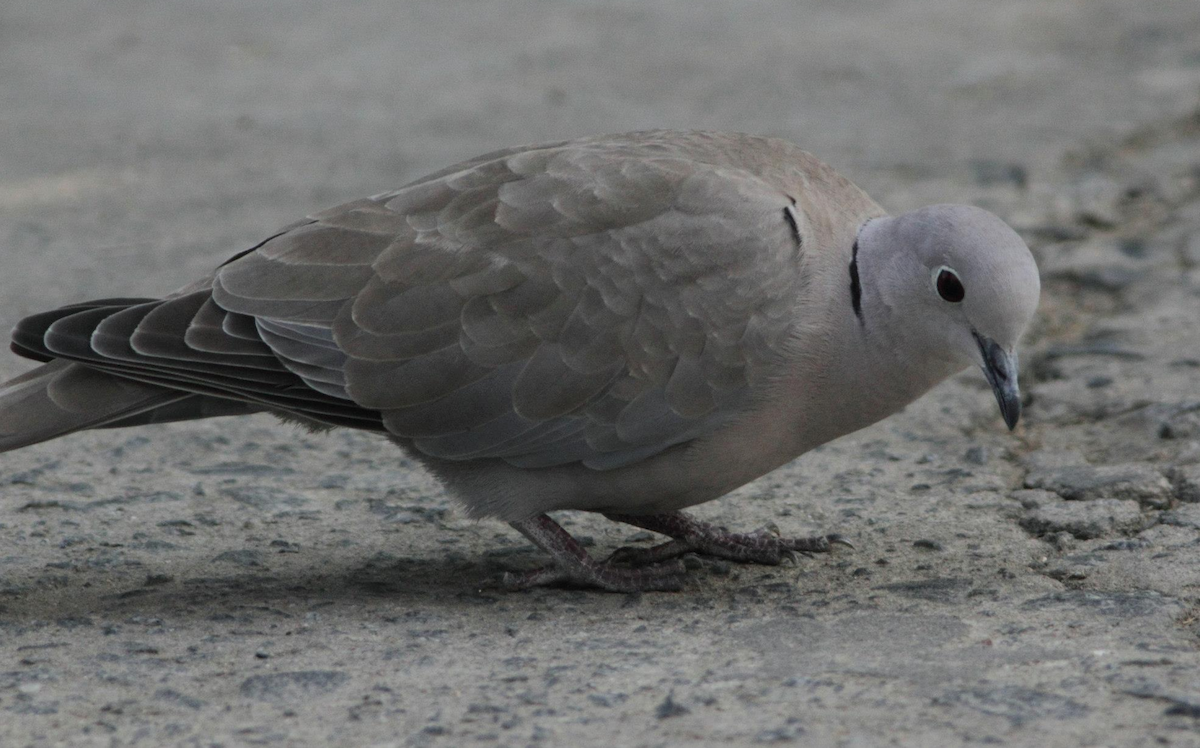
[573, 565]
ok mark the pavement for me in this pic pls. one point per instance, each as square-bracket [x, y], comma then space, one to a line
[241, 582]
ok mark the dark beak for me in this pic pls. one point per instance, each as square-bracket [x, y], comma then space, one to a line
[1000, 368]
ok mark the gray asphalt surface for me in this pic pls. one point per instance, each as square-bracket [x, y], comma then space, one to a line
[240, 582]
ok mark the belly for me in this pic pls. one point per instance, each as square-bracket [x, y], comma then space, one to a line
[707, 468]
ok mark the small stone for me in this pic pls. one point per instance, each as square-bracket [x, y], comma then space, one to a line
[1133, 481]
[1182, 708]
[1179, 423]
[1187, 483]
[1033, 498]
[1086, 519]
[670, 708]
[976, 456]
[928, 545]
[1062, 541]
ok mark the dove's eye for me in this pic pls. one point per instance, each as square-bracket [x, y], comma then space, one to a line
[948, 285]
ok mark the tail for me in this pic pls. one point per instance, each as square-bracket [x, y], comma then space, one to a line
[60, 397]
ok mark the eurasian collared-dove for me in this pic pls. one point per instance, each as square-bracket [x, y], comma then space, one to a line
[626, 324]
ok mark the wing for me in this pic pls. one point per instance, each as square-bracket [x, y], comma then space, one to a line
[593, 302]
[590, 303]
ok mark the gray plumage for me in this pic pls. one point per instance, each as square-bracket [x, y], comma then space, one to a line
[630, 323]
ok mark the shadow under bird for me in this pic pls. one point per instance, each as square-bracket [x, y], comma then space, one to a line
[627, 324]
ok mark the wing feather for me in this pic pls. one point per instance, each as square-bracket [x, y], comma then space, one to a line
[587, 302]
[592, 302]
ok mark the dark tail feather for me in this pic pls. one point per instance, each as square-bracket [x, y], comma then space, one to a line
[60, 397]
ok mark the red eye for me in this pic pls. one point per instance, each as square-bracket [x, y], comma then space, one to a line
[949, 287]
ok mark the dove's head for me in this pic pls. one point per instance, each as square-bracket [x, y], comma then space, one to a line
[957, 286]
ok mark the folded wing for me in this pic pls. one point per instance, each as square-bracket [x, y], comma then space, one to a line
[595, 302]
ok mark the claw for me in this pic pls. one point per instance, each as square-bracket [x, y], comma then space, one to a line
[836, 539]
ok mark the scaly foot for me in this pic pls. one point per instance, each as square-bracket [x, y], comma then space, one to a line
[690, 535]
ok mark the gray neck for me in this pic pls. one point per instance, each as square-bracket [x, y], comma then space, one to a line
[897, 379]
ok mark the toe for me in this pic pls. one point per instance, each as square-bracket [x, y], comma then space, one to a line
[542, 577]
[629, 556]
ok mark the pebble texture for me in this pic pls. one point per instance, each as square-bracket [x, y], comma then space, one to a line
[241, 582]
